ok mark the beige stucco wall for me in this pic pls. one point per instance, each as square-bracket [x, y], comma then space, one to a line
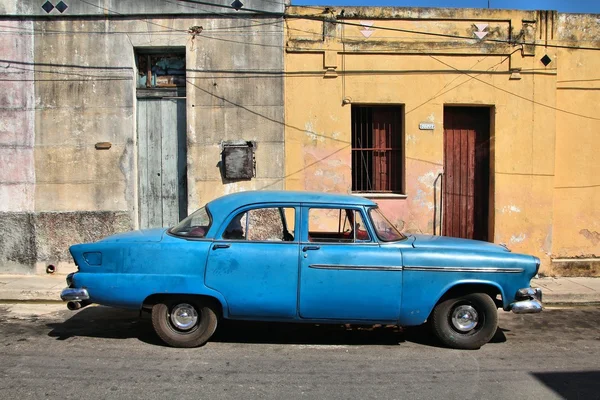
[69, 82]
[222, 104]
[424, 73]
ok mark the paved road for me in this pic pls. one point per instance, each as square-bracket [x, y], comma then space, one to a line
[98, 353]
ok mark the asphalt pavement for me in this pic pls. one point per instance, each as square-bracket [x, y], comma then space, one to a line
[98, 352]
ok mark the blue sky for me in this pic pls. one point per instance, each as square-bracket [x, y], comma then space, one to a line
[580, 6]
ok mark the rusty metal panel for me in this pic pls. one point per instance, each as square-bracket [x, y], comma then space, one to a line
[238, 160]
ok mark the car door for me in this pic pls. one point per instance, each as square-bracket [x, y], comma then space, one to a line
[254, 262]
[344, 273]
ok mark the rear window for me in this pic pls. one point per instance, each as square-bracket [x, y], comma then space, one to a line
[195, 225]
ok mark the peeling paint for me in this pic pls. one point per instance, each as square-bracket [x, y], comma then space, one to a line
[547, 246]
[517, 239]
[309, 132]
[510, 209]
[592, 236]
[420, 196]
[428, 179]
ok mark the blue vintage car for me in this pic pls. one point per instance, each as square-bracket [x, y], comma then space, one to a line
[302, 257]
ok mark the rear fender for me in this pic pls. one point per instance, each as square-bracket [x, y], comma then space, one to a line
[132, 290]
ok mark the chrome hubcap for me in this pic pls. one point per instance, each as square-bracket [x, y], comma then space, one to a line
[464, 318]
[184, 316]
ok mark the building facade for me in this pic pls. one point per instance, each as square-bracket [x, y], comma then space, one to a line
[472, 123]
[119, 115]
[115, 115]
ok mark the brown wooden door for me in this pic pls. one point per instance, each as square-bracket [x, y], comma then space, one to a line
[466, 172]
[384, 125]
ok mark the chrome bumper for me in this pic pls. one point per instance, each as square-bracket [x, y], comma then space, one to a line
[529, 301]
[73, 294]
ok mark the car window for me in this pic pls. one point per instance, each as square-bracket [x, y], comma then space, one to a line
[384, 229]
[336, 225]
[273, 224]
[195, 225]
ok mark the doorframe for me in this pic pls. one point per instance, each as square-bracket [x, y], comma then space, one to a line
[178, 92]
[492, 157]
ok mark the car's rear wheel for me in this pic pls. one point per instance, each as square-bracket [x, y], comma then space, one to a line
[465, 322]
[184, 322]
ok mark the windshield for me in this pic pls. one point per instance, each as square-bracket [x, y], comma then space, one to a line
[195, 225]
[384, 229]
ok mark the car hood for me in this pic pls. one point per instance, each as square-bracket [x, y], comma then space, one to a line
[144, 235]
[450, 243]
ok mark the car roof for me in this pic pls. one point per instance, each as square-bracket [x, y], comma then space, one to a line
[230, 202]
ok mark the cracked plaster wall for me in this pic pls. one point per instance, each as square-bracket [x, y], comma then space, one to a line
[70, 83]
[542, 136]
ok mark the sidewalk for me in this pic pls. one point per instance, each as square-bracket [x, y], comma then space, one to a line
[568, 290]
[45, 288]
[31, 287]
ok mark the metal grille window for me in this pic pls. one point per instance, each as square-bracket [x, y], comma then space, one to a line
[377, 154]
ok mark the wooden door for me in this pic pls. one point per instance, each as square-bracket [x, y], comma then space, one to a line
[161, 162]
[466, 172]
[384, 126]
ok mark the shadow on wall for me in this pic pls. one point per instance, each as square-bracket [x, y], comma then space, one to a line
[572, 385]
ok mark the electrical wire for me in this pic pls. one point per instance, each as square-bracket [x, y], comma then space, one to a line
[345, 72]
[343, 22]
[244, 11]
[517, 95]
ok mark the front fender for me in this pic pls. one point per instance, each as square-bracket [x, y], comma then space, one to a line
[423, 290]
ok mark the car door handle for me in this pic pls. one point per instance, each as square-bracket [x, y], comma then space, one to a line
[306, 248]
[221, 246]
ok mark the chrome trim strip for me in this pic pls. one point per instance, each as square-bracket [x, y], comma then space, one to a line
[465, 269]
[357, 267]
[369, 243]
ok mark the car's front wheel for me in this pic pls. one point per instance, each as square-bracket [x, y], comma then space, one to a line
[465, 322]
[184, 322]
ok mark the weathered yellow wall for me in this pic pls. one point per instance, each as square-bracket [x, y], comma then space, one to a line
[576, 231]
[424, 73]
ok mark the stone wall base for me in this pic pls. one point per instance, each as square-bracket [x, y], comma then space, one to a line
[570, 267]
[30, 242]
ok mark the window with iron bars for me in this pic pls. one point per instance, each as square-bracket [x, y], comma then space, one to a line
[377, 149]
